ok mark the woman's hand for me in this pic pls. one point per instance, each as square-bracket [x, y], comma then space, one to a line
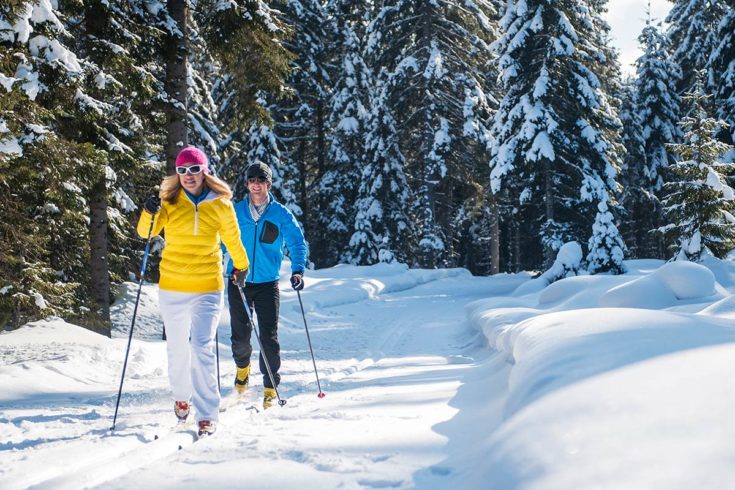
[152, 204]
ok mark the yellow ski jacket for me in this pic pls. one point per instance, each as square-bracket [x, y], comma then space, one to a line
[192, 256]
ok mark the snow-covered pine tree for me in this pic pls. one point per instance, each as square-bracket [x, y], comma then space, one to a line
[301, 120]
[474, 231]
[638, 203]
[721, 73]
[114, 112]
[692, 35]
[243, 38]
[434, 51]
[699, 201]
[475, 237]
[45, 175]
[658, 107]
[553, 130]
[202, 113]
[382, 231]
[606, 247]
[347, 128]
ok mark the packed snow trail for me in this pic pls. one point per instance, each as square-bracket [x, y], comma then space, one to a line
[389, 375]
[397, 369]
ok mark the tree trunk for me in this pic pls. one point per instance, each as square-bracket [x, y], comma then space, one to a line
[494, 236]
[95, 24]
[517, 262]
[428, 175]
[177, 51]
[100, 277]
[549, 254]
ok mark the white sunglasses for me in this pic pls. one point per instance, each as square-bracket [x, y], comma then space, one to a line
[194, 169]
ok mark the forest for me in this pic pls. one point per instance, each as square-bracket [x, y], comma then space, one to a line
[482, 134]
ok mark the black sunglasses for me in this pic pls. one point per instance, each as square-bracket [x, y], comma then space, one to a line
[261, 180]
[193, 169]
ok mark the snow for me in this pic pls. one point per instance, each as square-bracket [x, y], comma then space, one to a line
[40, 301]
[434, 379]
[7, 82]
[10, 147]
[55, 52]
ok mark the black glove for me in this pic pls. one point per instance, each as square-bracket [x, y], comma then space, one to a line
[297, 281]
[238, 277]
[152, 204]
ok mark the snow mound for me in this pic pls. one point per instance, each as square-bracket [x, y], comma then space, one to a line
[687, 280]
[579, 292]
[670, 283]
[567, 264]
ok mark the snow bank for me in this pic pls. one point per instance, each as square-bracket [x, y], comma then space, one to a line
[661, 423]
[348, 284]
[55, 358]
[615, 396]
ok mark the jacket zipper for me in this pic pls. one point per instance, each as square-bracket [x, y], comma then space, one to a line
[255, 244]
[196, 219]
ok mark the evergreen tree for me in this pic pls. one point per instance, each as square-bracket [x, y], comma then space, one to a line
[244, 40]
[475, 228]
[606, 247]
[692, 35]
[721, 73]
[115, 113]
[347, 129]
[638, 203]
[383, 231]
[658, 103]
[554, 128]
[202, 114]
[301, 120]
[699, 201]
[45, 177]
[658, 106]
[434, 51]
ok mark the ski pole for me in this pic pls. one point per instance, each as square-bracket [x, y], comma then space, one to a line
[132, 324]
[260, 344]
[303, 315]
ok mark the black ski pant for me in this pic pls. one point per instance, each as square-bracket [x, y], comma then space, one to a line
[264, 301]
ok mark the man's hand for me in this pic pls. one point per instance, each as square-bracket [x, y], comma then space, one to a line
[238, 277]
[297, 281]
[152, 204]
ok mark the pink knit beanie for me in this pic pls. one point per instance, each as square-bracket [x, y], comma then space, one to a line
[194, 156]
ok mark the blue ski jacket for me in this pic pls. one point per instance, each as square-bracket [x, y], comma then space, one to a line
[264, 241]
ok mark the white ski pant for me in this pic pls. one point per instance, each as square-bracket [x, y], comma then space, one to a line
[191, 321]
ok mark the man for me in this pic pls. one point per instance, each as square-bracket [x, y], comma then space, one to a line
[265, 226]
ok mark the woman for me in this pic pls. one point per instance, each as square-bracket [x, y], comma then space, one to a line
[197, 213]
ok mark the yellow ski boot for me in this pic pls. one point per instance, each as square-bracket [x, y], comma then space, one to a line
[242, 378]
[269, 395]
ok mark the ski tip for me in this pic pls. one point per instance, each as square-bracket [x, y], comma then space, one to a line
[321, 394]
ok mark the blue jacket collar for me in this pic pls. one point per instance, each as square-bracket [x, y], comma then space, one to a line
[197, 199]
